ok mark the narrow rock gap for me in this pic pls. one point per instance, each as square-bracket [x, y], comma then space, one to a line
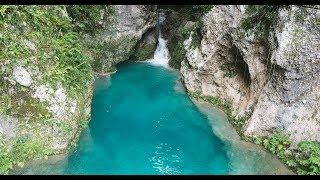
[241, 66]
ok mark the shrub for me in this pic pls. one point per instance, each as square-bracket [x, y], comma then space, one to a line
[305, 160]
[59, 47]
[86, 17]
[309, 157]
[259, 20]
[24, 148]
[278, 143]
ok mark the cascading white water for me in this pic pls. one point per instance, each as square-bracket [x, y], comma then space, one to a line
[161, 55]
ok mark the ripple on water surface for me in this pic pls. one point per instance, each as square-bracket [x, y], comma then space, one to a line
[144, 123]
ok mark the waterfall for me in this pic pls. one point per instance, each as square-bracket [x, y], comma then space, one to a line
[161, 55]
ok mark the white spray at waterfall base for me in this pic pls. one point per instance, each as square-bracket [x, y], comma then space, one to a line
[161, 55]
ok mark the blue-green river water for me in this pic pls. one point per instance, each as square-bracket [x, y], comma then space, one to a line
[143, 122]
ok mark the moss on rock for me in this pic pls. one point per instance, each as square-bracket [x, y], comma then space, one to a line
[143, 52]
[145, 47]
[51, 50]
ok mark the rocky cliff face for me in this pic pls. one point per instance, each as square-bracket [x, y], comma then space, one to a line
[120, 35]
[291, 98]
[42, 111]
[46, 74]
[276, 78]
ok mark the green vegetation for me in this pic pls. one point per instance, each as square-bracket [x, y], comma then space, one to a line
[5, 104]
[305, 160]
[84, 120]
[260, 19]
[21, 104]
[194, 31]
[191, 13]
[225, 107]
[176, 47]
[144, 52]
[300, 14]
[28, 106]
[145, 47]
[59, 48]
[179, 34]
[308, 157]
[229, 70]
[42, 40]
[176, 50]
[112, 68]
[278, 143]
[86, 17]
[17, 151]
[318, 20]
[24, 148]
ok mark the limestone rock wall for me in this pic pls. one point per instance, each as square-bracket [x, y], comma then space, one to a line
[276, 77]
[120, 35]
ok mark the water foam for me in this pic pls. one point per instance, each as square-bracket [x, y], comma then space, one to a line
[161, 55]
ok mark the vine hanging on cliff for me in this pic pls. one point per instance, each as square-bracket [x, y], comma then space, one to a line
[260, 19]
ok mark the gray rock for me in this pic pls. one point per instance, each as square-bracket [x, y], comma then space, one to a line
[275, 93]
[22, 76]
[30, 45]
[121, 34]
[8, 127]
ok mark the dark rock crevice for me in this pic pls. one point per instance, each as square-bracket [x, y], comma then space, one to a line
[240, 65]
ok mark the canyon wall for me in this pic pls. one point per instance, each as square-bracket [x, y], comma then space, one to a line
[47, 60]
[121, 33]
[271, 80]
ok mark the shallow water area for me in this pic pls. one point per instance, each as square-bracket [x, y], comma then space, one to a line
[143, 122]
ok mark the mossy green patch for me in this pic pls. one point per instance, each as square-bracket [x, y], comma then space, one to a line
[41, 38]
[28, 106]
[144, 52]
[177, 51]
[24, 148]
[178, 35]
[194, 32]
[112, 69]
[225, 107]
[110, 52]
[5, 104]
[86, 17]
[21, 104]
[260, 20]
[175, 45]
[229, 70]
[59, 48]
[303, 160]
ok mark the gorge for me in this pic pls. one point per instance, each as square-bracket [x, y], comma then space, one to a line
[55, 59]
